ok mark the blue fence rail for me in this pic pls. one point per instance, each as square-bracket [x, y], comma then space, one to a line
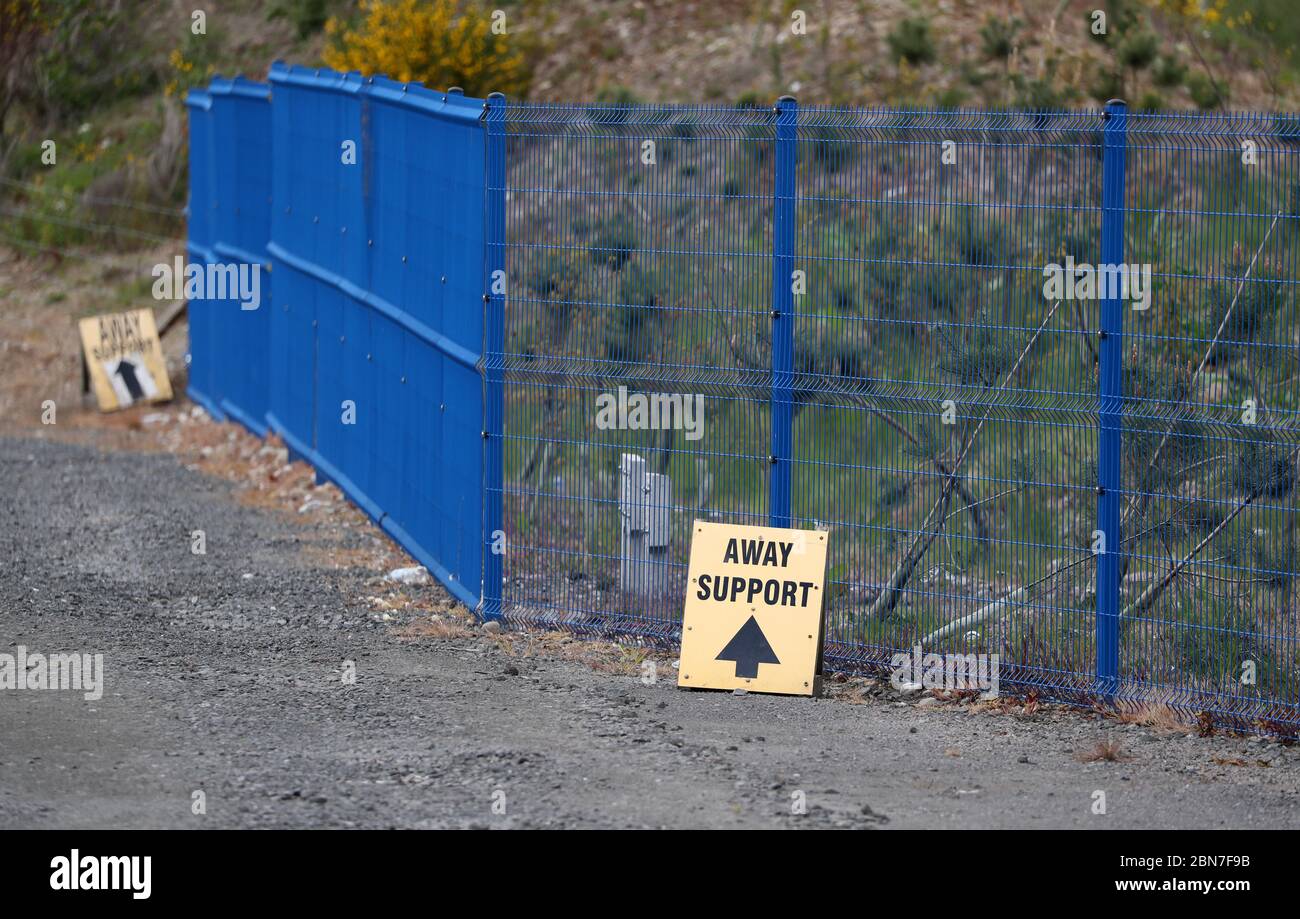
[1036, 372]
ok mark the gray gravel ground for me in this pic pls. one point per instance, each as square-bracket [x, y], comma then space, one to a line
[224, 673]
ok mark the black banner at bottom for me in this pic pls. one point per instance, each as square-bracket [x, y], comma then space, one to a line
[334, 869]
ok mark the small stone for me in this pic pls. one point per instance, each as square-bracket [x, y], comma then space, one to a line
[740, 692]
[927, 702]
[411, 576]
[492, 628]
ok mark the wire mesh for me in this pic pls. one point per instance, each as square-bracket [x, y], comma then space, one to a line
[1207, 596]
[944, 405]
[1034, 372]
[638, 248]
[947, 408]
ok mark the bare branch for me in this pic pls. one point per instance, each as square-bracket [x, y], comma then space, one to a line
[926, 534]
[746, 361]
[1144, 497]
[1012, 601]
[1152, 593]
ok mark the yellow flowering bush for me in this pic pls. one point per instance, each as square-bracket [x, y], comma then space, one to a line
[1207, 11]
[440, 43]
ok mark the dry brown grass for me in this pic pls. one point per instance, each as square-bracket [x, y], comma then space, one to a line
[1240, 761]
[1284, 732]
[1026, 705]
[1107, 750]
[665, 50]
[433, 628]
[1158, 716]
[853, 690]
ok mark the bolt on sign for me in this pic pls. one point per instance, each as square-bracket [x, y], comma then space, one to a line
[754, 609]
[123, 359]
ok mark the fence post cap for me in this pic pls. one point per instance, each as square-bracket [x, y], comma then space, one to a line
[497, 96]
[1110, 102]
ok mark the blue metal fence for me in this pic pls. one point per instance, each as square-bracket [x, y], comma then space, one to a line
[229, 207]
[366, 196]
[847, 317]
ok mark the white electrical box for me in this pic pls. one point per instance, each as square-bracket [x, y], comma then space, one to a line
[645, 505]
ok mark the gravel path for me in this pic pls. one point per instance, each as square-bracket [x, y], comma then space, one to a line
[224, 675]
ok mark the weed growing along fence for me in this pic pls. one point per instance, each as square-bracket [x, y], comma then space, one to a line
[1036, 373]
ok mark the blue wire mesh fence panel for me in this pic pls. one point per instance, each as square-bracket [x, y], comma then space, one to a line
[1207, 580]
[638, 251]
[945, 408]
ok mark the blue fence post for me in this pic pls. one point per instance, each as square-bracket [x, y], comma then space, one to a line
[494, 251]
[1111, 397]
[783, 199]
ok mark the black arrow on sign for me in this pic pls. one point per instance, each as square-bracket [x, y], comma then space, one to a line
[126, 370]
[748, 648]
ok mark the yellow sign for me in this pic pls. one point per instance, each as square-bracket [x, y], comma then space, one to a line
[753, 617]
[123, 355]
